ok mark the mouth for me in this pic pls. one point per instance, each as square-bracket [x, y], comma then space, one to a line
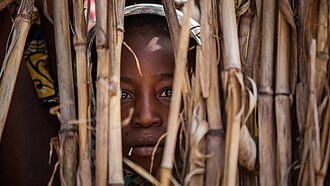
[145, 150]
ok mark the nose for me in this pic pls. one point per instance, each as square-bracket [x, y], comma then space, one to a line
[146, 113]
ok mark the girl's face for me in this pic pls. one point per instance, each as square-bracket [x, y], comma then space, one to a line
[148, 93]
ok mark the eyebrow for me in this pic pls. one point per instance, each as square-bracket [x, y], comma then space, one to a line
[162, 76]
[157, 77]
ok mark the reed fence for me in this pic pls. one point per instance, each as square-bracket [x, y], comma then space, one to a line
[255, 112]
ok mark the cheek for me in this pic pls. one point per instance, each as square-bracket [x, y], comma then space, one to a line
[164, 112]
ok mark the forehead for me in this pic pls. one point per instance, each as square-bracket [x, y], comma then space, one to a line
[147, 41]
[148, 50]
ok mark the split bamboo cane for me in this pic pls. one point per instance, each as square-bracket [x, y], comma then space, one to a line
[68, 148]
[172, 127]
[13, 58]
[215, 137]
[80, 46]
[102, 108]
[234, 105]
[282, 103]
[116, 36]
[266, 100]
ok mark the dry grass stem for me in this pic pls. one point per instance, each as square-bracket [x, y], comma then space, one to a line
[5, 3]
[102, 110]
[116, 36]
[172, 127]
[141, 171]
[282, 102]
[266, 101]
[80, 46]
[233, 89]
[13, 57]
[69, 149]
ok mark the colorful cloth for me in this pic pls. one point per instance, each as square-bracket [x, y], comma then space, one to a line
[35, 57]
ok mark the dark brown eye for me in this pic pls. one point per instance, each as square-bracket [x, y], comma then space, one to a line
[126, 95]
[167, 92]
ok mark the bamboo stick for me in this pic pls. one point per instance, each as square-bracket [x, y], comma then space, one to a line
[266, 101]
[282, 103]
[215, 137]
[80, 46]
[68, 152]
[172, 127]
[116, 36]
[103, 61]
[13, 59]
[234, 106]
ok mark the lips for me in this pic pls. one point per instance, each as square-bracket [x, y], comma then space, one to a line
[145, 150]
[145, 145]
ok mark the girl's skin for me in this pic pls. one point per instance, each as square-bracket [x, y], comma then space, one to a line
[148, 93]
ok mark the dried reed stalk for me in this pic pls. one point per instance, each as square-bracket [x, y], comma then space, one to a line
[68, 149]
[209, 68]
[282, 103]
[247, 147]
[234, 90]
[197, 142]
[172, 127]
[307, 174]
[173, 23]
[103, 61]
[80, 46]
[116, 36]
[5, 3]
[266, 101]
[302, 90]
[13, 57]
[197, 128]
[322, 47]
[323, 50]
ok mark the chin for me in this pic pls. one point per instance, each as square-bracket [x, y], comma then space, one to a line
[145, 163]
